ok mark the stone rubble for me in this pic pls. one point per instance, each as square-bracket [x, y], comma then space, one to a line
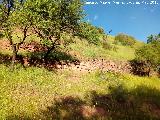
[92, 65]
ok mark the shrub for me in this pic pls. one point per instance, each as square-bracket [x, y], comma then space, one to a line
[150, 54]
[1, 35]
[108, 46]
[152, 38]
[125, 40]
[141, 68]
[91, 33]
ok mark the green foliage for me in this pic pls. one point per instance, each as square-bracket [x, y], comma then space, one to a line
[50, 19]
[45, 42]
[14, 19]
[149, 53]
[66, 39]
[14, 16]
[1, 35]
[91, 33]
[152, 38]
[124, 39]
[86, 50]
[108, 46]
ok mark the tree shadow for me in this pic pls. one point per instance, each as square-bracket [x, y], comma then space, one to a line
[36, 59]
[54, 59]
[5, 59]
[1, 35]
[67, 108]
[141, 103]
[140, 68]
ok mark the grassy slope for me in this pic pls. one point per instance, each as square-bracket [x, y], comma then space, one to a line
[27, 93]
[83, 50]
[32, 93]
[87, 51]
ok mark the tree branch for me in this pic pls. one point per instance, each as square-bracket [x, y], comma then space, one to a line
[24, 36]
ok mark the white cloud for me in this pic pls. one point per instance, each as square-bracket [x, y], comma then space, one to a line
[95, 17]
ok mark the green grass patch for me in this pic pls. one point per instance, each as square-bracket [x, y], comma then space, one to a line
[89, 51]
[25, 93]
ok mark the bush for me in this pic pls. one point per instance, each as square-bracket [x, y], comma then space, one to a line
[91, 33]
[141, 68]
[108, 46]
[153, 38]
[150, 54]
[125, 40]
[1, 35]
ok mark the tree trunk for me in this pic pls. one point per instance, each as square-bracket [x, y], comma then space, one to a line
[49, 51]
[14, 55]
[51, 48]
[158, 71]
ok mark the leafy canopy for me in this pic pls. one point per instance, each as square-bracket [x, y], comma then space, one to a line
[150, 53]
[50, 18]
[91, 33]
[47, 18]
[152, 38]
[14, 17]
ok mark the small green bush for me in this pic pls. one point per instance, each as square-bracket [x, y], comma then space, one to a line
[125, 40]
[108, 46]
[150, 54]
[153, 38]
[1, 35]
[91, 33]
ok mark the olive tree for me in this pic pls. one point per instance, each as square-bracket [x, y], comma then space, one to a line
[51, 18]
[47, 18]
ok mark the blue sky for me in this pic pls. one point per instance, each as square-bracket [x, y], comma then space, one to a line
[138, 20]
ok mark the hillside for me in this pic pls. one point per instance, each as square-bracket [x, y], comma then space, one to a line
[82, 50]
[37, 92]
[78, 54]
[57, 65]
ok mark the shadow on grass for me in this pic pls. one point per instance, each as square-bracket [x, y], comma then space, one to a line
[142, 103]
[18, 117]
[37, 59]
[67, 108]
[5, 59]
[140, 68]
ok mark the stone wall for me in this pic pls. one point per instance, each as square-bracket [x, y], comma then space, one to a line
[91, 65]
